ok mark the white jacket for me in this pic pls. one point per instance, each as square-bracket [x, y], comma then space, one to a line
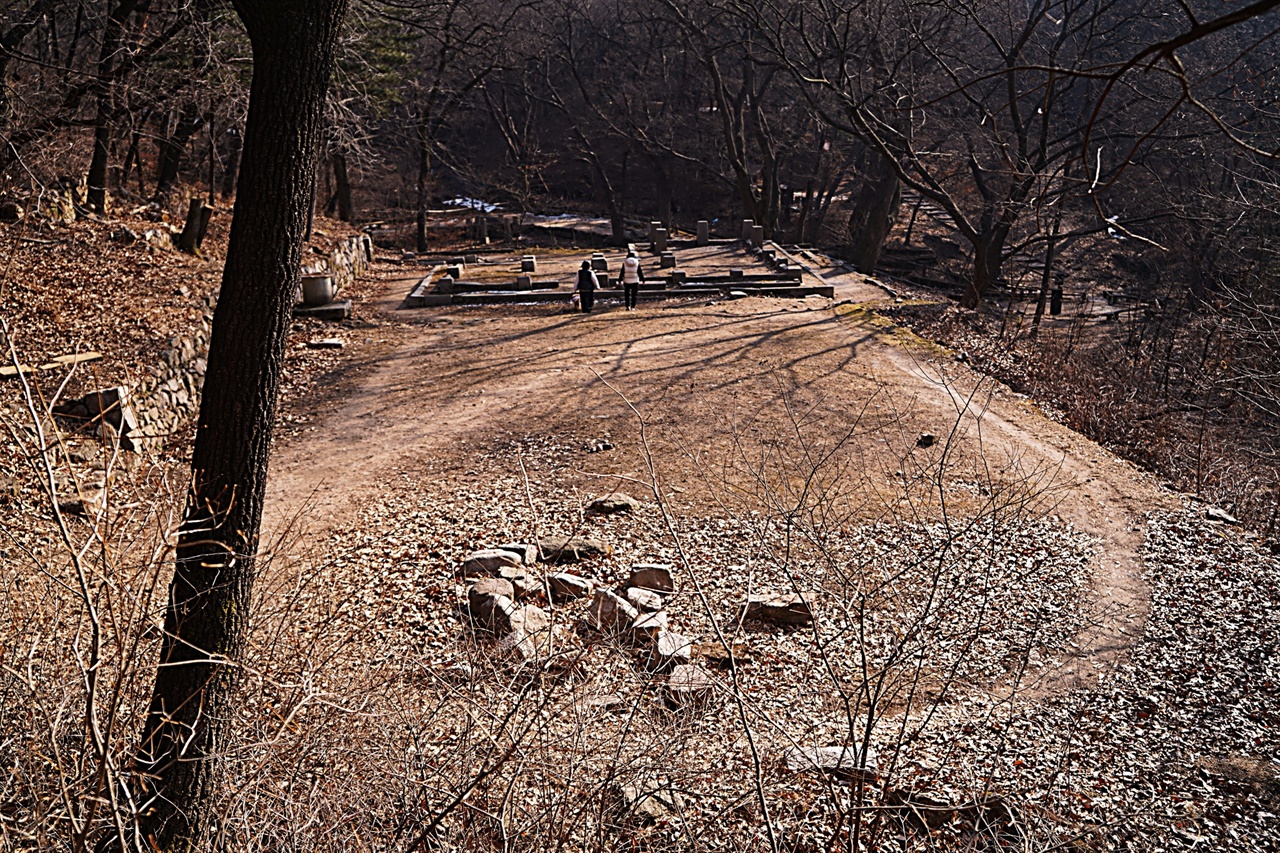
[631, 271]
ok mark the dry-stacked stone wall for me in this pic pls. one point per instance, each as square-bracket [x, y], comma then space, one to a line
[167, 399]
[350, 259]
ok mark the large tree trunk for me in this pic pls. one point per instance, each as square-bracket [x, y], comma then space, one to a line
[112, 40]
[987, 256]
[232, 168]
[206, 621]
[873, 213]
[174, 147]
[342, 187]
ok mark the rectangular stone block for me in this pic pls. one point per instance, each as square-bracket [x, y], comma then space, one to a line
[747, 225]
[528, 263]
[524, 282]
[659, 241]
[704, 232]
[667, 261]
[757, 235]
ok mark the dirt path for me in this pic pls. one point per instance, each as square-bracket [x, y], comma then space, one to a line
[447, 382]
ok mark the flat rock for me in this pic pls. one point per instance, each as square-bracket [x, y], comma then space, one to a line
[779, 609]
[609, 611]
[563, 549]
[715, 654]
[568, 587]
[487, 562]
[652, 576]
[525, 583]
[340, 310]
[528, 554]
[644, 600]
[649, 803]
[687, 686]
[612, 504]
[838, 761]
[670, 649]
[326, 343]
[647, 626]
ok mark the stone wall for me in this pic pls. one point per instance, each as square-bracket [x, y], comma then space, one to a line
[347, 262]
[169, 397]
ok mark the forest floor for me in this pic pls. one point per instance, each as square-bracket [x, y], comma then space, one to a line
[1042, 645]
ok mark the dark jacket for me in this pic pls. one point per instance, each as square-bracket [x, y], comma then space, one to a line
[587, 280]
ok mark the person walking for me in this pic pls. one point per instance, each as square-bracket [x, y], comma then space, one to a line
[586, 287]
[632, 275]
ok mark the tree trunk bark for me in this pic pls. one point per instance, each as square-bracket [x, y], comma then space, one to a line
[174, 147]
[1050, 253]
[342, 187]
[206, 620]
[232, 169]
[424, 170]
[872, 215]
[986, 270]
[112, 39]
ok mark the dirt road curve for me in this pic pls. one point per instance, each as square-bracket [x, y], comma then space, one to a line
[445, 382]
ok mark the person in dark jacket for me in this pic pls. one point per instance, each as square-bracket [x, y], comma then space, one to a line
[586, 287]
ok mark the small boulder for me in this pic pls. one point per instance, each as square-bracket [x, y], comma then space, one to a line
[644, 600]
[568, 587]
[670, 649]
[613, 504]
[610, 612]
[779, 609]
[647, 626]
[525, 583]
[648, 804]
[841, 762]
[688, 686]
[563, 549]
[926, 439]
[652, 576]
[487, 562]
[529, 637]
[1220, 515]
[528, 554]
[491, 606]
[716, 655]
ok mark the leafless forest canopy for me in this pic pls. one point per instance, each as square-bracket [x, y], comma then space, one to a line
[1094, 145]
[987, 161]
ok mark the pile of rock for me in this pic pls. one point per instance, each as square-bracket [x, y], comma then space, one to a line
[499, 601]
[510, 584]
[506, 588]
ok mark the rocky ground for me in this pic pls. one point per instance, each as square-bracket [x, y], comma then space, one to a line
[1006, 637]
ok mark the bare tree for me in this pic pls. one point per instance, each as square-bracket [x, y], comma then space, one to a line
[209, 597]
